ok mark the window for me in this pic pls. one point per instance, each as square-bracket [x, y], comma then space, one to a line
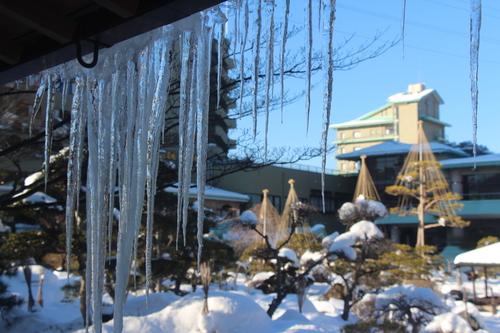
[342, 150]
[316, 200]
[276, 201]
[389, 130]
[342, 166]
[356, 134]
[255, 199]
[342, 135]
[356, 148]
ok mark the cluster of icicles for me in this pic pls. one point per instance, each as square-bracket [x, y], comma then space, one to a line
[119, 107]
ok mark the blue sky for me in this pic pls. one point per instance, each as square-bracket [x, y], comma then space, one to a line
[435, 52]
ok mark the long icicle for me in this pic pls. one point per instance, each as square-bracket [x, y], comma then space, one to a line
[49, 113]
[309, 49]
[186, 61]
[475, 31]
[328, 51]
[284, 38]
[77, 135]
[270, 66]
[256, 65]
[156, 126]
[242, 55]
[203, 104]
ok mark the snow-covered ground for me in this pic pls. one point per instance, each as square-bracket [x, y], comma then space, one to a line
[233, 310]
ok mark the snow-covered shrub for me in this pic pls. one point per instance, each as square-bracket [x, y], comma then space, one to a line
[408, 305]
[361, 209]
[448, 323]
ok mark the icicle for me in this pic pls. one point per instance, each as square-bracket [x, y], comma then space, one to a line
[270, 66]
[242, 56]
[186, 140]
[309, 48]
[203, 103]
[127, 177]
[256, 64]
[403, 25]
[77, 135]
[37, 103]
[49, 112]
[219, 21]
[328, 50]
[190, 148]
[475, 30]
[283, 50]
[236, 24]
[183, 125]
[156, 127]
[64, 97]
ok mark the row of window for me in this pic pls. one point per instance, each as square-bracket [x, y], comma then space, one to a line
[315, 199]
[388, 130]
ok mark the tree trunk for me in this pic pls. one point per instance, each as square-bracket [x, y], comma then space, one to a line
[27, 276]
[83, 292]
[347, 306]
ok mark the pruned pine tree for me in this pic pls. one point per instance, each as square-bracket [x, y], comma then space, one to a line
[423, 189]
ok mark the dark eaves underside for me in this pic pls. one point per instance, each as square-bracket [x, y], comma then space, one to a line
[39, 34]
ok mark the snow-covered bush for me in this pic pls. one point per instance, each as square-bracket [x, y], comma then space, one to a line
[448, 323]
[409, 305]
[361, 209]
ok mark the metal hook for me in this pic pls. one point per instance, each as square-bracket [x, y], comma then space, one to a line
[79, 54]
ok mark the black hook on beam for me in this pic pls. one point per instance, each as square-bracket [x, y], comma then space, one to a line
[79, 54]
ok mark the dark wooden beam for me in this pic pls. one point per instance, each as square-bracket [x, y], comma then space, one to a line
[124, 8]
[40, 18]
[10, 52]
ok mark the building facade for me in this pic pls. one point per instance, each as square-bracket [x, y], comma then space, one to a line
[477, 180]
[338, 190]
[396, 120]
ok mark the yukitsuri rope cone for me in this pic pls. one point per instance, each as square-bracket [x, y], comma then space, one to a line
[365, 186]
[289, 215]
[423, 189]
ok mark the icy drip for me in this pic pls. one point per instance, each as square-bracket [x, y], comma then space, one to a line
[329, 20]
[475, 30]
[242, 56]
[270, 66]
[203, 103]
[97, 191]
[256, 64]
[219, 20]
[75, 156]
[65, 91]
[37, 103]
[185, 50]
[156, 125]
[309, 48]
[49, 112]
[282, 55]
[127, 177]
[116, 99]
[403, 25]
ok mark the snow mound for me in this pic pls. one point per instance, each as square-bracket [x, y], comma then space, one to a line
[448, 323]
[249, 218]
[229, 313]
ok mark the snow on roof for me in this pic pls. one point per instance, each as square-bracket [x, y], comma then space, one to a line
[482, 160]
[41, 197]
[484, 256]
[212, 193]
[364, 122]
[412, 97]
[397, 148]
